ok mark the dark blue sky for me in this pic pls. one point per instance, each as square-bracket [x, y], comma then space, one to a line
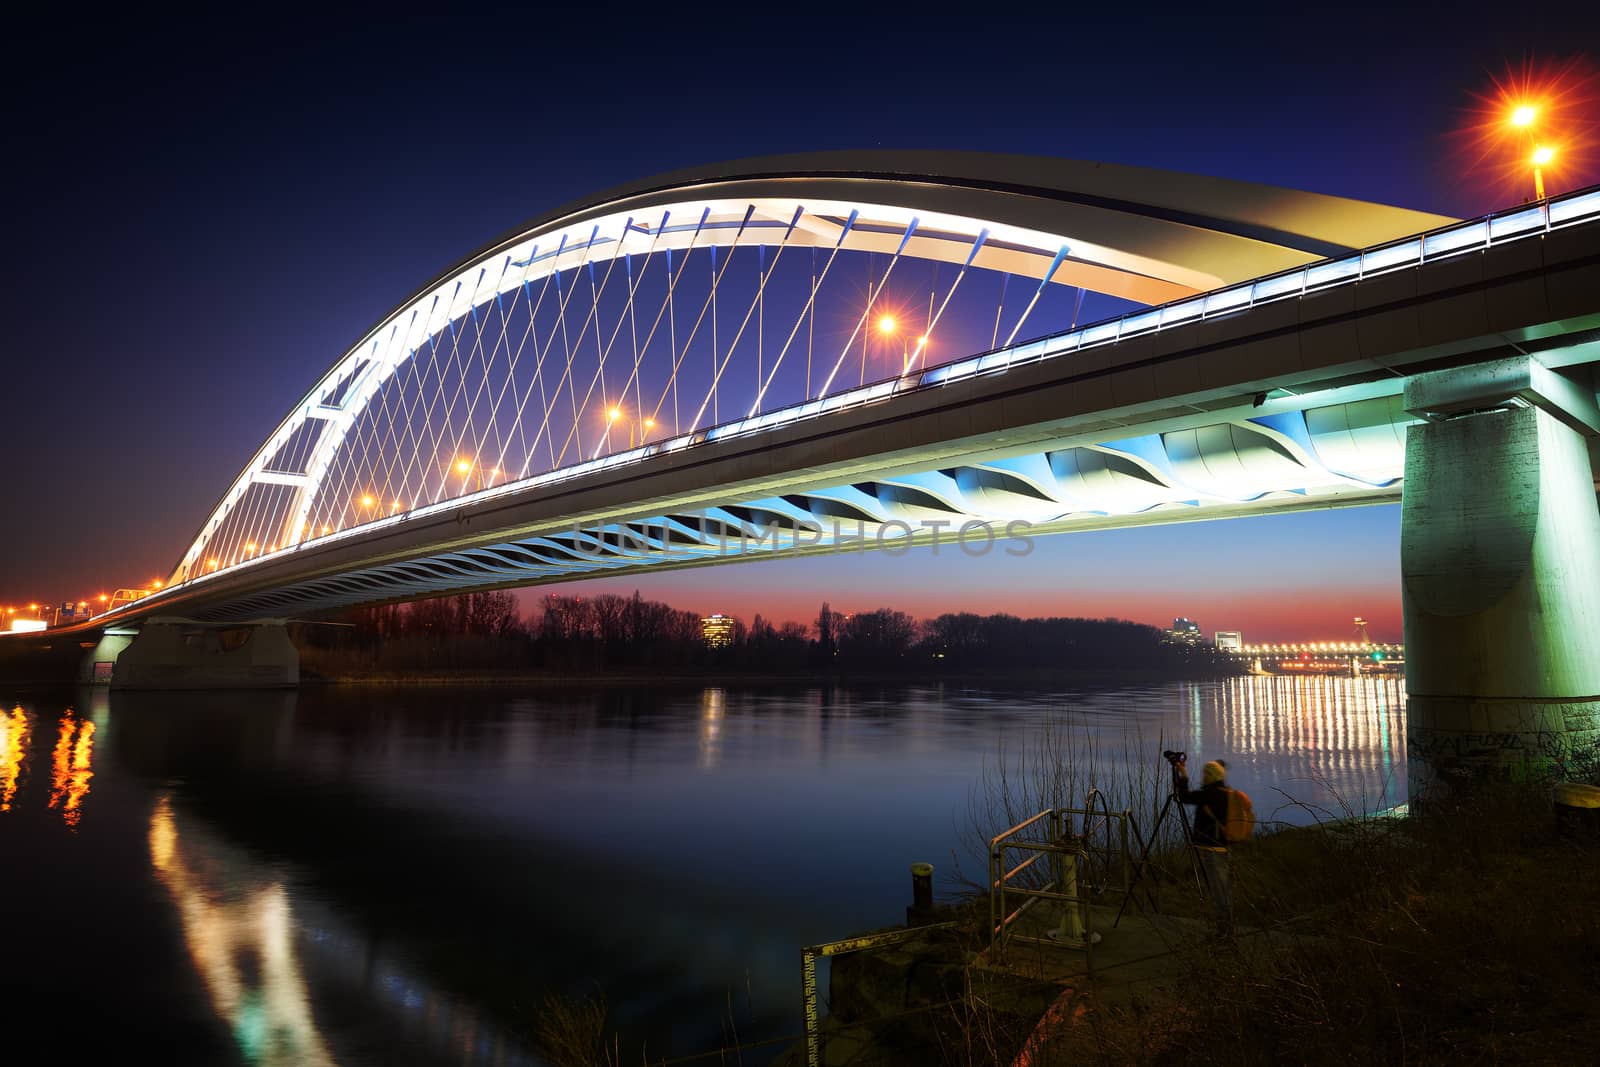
[203, 215]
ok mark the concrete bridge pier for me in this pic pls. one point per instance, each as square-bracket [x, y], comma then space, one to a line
[168, 653]
[1500, 560]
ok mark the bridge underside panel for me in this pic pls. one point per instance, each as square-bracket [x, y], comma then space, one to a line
[1216, 471]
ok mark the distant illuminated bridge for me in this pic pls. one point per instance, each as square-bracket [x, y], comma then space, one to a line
[1321, 656]
[786, 353]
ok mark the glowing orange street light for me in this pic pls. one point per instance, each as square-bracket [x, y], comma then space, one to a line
[104, 598]
[1522, 117]
[638, 429]
[465, 467]
[888, 327]
[1541, 155]
[212, 564]
[368, 500]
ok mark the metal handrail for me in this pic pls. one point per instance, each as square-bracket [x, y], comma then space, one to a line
[1063, 847]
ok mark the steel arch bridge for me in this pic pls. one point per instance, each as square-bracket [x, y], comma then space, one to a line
[710, 304]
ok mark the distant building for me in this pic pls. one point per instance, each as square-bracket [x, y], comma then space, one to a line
[1184, 632]
[1229, 641]
[717, 630]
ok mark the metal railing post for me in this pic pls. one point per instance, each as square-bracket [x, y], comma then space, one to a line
[1127, 817]
[1056, 871]
[994, 891]
[808, 993]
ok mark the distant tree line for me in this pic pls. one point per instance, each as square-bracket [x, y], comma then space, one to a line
[582, 635]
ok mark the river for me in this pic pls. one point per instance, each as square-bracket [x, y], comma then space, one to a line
[390, 875]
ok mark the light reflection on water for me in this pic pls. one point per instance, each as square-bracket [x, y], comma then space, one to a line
[71, 767]
[1320, 746]
[240, 937]
[249, 944]
[376, 876]
[13, 754]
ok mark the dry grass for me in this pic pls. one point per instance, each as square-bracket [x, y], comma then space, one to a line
[571, 1032]
[1056, 766]
[1467, 934]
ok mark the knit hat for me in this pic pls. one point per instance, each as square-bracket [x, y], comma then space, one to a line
[1212, 773]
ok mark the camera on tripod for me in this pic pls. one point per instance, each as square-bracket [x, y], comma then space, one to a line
[1175, 758]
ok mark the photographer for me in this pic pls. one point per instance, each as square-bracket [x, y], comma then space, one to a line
[1210, 836]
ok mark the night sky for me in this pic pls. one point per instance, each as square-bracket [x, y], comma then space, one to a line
[203, 216]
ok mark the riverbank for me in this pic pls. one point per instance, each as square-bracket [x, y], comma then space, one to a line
[623, 677]
[1469, 933]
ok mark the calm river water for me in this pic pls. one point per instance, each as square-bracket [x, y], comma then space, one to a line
[378, 876]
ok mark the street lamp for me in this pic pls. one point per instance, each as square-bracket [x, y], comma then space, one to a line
[466, 466]
[1522, 117]
[1541, 155]
[638, 429]
[888, 327]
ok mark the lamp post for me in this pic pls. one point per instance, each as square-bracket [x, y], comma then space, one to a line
[1522, 117]
[468, 466]
[888, 327]
[638, 429]
[1541, 156]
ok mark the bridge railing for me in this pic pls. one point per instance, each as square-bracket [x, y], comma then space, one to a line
[1529, 220]
[1513, 224]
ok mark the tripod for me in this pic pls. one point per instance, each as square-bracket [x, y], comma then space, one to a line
[1202, 880]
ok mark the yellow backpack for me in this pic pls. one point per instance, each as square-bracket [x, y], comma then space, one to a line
[1241, 818]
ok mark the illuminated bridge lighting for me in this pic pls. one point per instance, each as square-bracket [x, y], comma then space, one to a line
[474, 366]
